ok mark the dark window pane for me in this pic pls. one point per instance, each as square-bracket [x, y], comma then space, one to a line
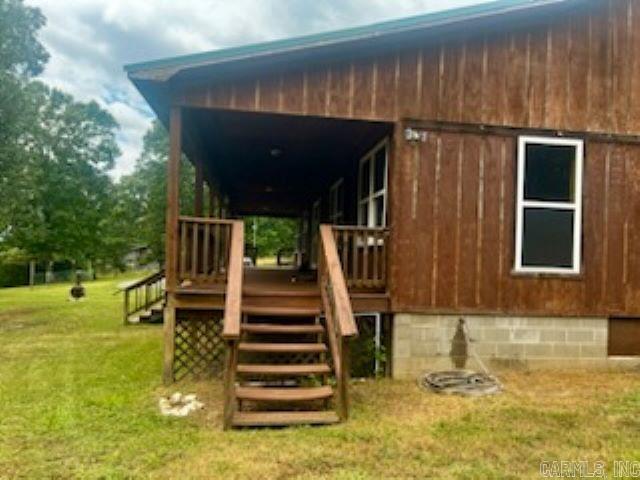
[549, 173]
[547, 238]
[365, 177]
[364, 214]
[381, 167]
[379, 208]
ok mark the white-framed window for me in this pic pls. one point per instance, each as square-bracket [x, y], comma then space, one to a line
[336, 202]
[372, 187]
[549, 205]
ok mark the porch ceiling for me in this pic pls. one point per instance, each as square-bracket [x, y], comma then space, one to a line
[278, 164]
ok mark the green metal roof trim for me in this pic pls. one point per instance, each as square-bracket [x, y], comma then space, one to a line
[165, 68]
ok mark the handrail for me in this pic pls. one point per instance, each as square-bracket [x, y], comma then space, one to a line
[335, 277]
[150, 278]
[232, 309]
[146, 292]
[338, 314]
[232, 318]
[210, 220]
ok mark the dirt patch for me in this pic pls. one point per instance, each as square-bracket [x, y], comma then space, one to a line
[19, 319]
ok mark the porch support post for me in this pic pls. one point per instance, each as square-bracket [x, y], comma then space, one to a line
[199, 188]
[173, 199]
[171, 248]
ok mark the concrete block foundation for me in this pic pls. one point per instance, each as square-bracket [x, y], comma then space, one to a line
[423, 342]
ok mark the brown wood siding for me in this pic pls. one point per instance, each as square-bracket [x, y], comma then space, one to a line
[465, 218]
[579, 73]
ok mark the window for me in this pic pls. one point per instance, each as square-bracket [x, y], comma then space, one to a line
[336, 202]
[549, 205]
[372, 188]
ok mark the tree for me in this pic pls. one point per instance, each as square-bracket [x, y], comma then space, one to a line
[21, 57]
[60, 189]
[144, 192]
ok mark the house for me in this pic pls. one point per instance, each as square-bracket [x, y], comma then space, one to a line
[481, 163]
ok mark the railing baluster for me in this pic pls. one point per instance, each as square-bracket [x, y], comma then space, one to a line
[216, 252]
[365, 259]
[376, 247]
[183, 251]
[205, 252]
[194, 251]
[354, 259]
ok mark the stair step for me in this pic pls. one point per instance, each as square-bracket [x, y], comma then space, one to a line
[281, 311]
[277, 328]
[293, 394]
[275, 419]
[282, 347]
[268, 369]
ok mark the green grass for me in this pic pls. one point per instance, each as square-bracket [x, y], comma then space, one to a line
[79, 391]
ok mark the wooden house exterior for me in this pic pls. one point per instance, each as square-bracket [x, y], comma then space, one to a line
[481, 163]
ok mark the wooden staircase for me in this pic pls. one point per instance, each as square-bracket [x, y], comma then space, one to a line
[287, 357]
[282, 374]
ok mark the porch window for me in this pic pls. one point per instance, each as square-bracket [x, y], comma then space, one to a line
[549, 205]
[336, 202]
[372, 187]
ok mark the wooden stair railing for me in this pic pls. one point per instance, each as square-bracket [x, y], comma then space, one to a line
[143, 294]
[232, 318]
[340, 322]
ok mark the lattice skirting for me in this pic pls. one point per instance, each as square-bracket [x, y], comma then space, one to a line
[199, 347]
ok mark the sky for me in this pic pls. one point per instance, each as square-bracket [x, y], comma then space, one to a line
[91, 40]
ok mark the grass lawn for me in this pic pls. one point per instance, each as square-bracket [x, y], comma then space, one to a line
[79, 391]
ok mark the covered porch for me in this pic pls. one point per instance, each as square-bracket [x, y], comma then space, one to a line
[317, 171]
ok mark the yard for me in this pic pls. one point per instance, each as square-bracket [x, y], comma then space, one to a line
[79, 398]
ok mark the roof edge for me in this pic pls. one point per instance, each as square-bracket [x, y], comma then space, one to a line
[164, 69]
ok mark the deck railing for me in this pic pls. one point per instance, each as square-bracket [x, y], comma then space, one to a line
[232, 316]
[203, 255]
[143, 294]
[363, 255]
[340, 322]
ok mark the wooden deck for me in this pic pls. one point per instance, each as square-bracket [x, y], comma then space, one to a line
[262, 287]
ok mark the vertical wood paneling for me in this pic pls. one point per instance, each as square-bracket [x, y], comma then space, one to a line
[430, 97]
[615, 230]
[621, 64]
[598, 100]
[558, 62]
[516, 80]
[293, 98]
[339, 90]
[424, 225]
[447, 221]
[408, 101]
[270, 93]
[472, 88]
[493, 100]
[385, 87]
[452, 82]
[491, 222]
[537, 78]
[469, 222]
[317, 89]
[634, 60]
[363, 85]
[578, 64]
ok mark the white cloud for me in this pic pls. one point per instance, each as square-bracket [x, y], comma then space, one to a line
[90, 41]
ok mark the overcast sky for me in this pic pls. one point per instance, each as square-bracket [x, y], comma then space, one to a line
[90, 41]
